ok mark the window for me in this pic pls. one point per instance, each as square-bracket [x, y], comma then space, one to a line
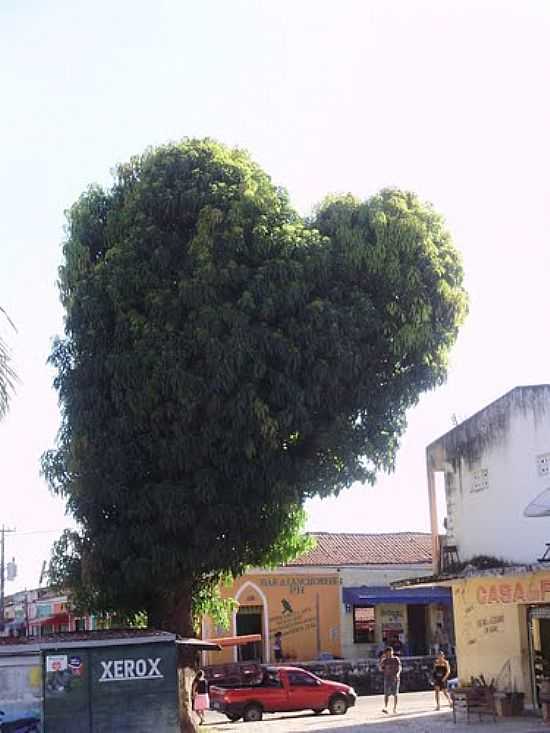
[543, 464]
[301, 679]
[271, 679]
[480, 481]
[80, 624]
[363, 624]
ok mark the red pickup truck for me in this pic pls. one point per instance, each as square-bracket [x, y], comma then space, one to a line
[282, 689]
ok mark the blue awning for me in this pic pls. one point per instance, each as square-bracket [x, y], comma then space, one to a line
[373, 595]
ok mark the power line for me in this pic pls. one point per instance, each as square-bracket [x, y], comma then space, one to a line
[39, 531]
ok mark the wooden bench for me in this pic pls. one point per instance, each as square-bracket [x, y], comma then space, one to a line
[477, 700]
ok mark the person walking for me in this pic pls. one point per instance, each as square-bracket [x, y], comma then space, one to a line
[441, 673]
[278, 647]
[201, 699]
[390, 666]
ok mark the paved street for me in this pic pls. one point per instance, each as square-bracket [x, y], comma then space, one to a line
[417, 715]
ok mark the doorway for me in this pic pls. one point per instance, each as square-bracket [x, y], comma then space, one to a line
[539, 648]
[249, 620]
[417, 623]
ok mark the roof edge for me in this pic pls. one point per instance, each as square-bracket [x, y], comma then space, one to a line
[386, 563]
[369, 534]
[471, 573]
[473, 416]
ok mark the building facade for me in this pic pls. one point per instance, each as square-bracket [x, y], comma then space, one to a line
[42, 611]
[496, 468]
[336, 602]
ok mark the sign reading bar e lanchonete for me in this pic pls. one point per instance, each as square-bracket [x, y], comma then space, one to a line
[285, 580]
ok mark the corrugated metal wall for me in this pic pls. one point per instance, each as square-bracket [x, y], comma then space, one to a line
[21, 688]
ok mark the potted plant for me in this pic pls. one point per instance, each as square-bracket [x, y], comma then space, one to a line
[509, 703]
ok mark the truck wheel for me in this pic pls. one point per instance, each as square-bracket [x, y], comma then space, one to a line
[338, 706]
[253, 713]
[233, 717]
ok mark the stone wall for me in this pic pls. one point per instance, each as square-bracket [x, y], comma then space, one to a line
[363, 675]
[367, 679]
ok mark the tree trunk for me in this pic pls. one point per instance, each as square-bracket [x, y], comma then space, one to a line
[175, 615]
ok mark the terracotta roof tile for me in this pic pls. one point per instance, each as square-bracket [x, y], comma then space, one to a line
[396, 548]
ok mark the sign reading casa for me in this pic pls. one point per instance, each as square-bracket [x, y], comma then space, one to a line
[131, 669]
[516, 591]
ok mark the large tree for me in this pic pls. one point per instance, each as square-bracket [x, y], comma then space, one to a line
[224, 360]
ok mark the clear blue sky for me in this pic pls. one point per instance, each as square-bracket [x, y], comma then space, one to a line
[449, 99]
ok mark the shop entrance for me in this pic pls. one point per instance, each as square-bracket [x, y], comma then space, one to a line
[539, 647]
[416, 623]
[249, 621]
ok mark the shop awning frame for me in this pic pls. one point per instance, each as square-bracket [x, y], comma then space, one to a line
[199, 644]
[375, 595]
[229, 641]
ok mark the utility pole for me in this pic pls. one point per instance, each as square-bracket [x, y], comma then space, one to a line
[3, 533]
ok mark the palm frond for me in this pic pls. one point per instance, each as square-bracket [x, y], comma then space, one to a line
[8, 377]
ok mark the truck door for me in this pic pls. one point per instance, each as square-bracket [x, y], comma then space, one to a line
[274, 692]
[305, 692]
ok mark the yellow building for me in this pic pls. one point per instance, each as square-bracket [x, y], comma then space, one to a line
[503, 628]
[305, 608]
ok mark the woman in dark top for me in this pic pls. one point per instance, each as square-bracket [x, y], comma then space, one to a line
[201, 699]
[441, 672]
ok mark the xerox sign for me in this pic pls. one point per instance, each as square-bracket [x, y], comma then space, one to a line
[118, 670]
[134, 687]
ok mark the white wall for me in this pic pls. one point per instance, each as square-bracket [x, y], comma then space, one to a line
[490, 521]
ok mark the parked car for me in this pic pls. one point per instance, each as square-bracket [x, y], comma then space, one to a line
[282, 689]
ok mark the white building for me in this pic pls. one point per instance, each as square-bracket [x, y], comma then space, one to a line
[496, 468]
[497, 479]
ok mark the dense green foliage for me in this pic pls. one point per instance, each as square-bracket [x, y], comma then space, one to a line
[224, 360]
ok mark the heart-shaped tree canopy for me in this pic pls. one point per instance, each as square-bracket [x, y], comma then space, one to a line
[224, 359]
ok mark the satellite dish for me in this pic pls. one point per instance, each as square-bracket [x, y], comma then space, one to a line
[540, 506]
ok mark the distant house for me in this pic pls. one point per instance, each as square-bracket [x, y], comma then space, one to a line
[42, 611]
[336, 601]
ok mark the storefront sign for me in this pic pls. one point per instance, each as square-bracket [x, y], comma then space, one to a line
[491, 624]
[131, 669]
[514, 591]
[391, 629]
[297, 584]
